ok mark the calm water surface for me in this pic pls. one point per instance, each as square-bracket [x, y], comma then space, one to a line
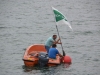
[27, 22]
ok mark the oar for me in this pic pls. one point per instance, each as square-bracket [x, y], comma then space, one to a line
[60, 41]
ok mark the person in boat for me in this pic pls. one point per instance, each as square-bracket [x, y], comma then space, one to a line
[53, 52]
[50, 41]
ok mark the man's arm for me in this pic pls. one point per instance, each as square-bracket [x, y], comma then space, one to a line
[57, 42]
[60, 55]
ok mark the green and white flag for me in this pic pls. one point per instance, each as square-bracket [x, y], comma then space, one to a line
[60, 18]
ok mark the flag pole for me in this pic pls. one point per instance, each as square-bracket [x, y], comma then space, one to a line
[60, 41]
[60, 38]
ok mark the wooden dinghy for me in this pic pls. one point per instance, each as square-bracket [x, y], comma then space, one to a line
[31, 56]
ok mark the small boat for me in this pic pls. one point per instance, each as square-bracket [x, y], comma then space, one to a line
[34, 53]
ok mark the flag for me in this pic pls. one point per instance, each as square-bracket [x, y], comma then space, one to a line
[60, 18]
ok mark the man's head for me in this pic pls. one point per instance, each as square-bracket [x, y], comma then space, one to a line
[54, 37]
[54, 45]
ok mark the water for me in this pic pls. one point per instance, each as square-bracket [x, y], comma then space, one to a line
[26, 22]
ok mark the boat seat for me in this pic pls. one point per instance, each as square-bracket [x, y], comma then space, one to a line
[34, 54]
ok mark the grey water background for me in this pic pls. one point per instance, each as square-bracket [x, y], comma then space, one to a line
[27, 22]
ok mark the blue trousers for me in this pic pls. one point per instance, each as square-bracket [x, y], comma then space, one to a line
[47, 48]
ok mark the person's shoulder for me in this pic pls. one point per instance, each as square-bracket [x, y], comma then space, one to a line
[55, 49]
[50, 38]
[52, 48]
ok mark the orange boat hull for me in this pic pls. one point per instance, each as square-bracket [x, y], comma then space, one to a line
[31, 59]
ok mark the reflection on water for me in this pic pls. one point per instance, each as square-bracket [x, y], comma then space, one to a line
[55, 70]
[27, 69]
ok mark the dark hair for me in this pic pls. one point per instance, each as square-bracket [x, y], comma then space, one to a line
[54, 45]
[54, 35]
